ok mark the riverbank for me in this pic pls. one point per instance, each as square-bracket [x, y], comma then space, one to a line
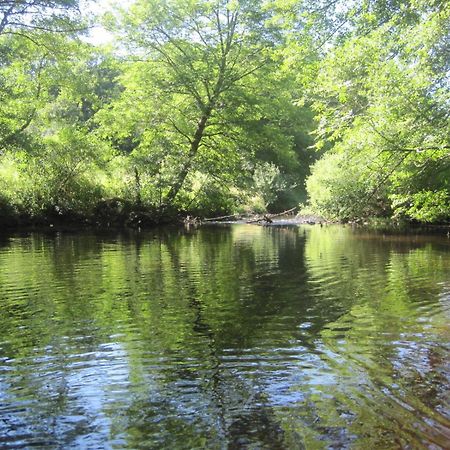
[114, 216]
[112, 213]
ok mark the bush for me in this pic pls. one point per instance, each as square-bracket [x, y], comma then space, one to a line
[424, 206]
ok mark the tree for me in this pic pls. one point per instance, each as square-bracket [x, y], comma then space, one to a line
[51, 160]
[202, 82]
[32, 35]
[382, 99]
[19, 16]
[22, 91]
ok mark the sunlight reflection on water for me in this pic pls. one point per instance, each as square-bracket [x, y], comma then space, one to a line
[225, 337]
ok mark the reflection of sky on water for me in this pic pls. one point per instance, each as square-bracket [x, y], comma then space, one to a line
[249, 335]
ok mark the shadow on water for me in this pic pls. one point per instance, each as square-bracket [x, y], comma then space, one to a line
[224, 337]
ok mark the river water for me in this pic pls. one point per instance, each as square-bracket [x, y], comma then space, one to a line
[225, 337]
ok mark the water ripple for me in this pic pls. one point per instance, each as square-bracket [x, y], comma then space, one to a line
[238, 337]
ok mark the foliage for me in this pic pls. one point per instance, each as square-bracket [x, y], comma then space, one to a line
[22, 16]
[223, 90]
[268, 181]
[424, 206]
[382, 100]
[210, 106]
[338, 187]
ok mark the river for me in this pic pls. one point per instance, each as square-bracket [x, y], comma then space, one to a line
[225, 337]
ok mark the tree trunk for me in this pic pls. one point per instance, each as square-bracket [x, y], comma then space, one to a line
[226, 44]
[137, 185]
[193, 150]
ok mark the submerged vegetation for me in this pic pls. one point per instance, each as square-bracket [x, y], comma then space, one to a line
[217, 107]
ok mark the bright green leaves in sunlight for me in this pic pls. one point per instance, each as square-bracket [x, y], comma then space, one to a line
[204, 97]
[51, 161]
[22, 16]
[200, 98]
[382, 102]
[216, 106]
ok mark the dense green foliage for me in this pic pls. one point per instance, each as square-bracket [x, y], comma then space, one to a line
[213, 106]
[382, 103]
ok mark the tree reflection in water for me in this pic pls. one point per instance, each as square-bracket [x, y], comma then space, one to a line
[238, 337]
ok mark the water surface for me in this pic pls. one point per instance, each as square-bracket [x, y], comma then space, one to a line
[225, 337]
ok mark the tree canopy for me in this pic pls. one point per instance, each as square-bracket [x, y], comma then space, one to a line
[382, 106]
[220, 106]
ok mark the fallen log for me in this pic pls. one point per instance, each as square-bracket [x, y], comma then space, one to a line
[265, 218]
[268, 217]
[214, 219]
